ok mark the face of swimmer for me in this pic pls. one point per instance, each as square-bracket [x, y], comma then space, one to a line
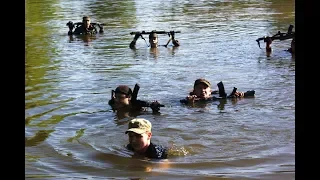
[153, 40]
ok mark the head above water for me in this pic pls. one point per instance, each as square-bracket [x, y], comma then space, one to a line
[153, 40]
[86, 20]
[122, 97]
[202, 88]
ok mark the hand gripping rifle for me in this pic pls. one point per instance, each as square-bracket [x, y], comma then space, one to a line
[141, 103]
[140, 33]
[279, 36]
[223, 94]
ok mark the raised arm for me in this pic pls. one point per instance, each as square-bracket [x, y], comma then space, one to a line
[133, 42]
[175, 42]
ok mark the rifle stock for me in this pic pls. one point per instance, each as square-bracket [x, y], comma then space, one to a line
[135, 92]
[135, 95]
[233, 92]
[222, 92]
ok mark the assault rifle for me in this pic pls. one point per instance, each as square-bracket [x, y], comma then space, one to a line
[140, 33]
[223, 94]
[154, 31]
[279, 36]
[141, 103]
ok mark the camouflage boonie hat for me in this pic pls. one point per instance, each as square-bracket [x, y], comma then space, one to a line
[139, 126]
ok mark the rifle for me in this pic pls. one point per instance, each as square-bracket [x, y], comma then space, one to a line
[135, 92]
[147, 104]
[135, 95]
[223, 94]
[231, 95]
[279, 36]
[154, 31]
[140, 33]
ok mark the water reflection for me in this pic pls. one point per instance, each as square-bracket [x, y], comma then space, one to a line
[219, 102]
[120, 115]
[154, 52]
[85, 38]
[38, 138]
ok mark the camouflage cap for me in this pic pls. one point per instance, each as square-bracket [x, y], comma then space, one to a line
[123, 89]
[139, 126]
[204, 81]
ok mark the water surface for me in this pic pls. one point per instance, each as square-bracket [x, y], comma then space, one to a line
[72, 133]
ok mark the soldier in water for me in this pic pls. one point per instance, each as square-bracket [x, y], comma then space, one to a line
[154, 40]
[84, 28]
[124, 100]
[202, 92]
[139, 133]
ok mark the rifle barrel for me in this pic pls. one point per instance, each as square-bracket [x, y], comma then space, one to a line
[149, 32]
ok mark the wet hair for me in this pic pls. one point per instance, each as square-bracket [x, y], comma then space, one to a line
[85, 17]
[151, 35]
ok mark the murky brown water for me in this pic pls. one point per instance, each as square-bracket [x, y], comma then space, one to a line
[71, 132]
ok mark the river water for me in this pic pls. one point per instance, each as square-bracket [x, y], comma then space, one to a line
[72, 133]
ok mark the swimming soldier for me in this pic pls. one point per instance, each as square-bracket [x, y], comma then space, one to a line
[139, 133]
[123, 99]
[153, 38]
[202, 92]
[85, 27]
